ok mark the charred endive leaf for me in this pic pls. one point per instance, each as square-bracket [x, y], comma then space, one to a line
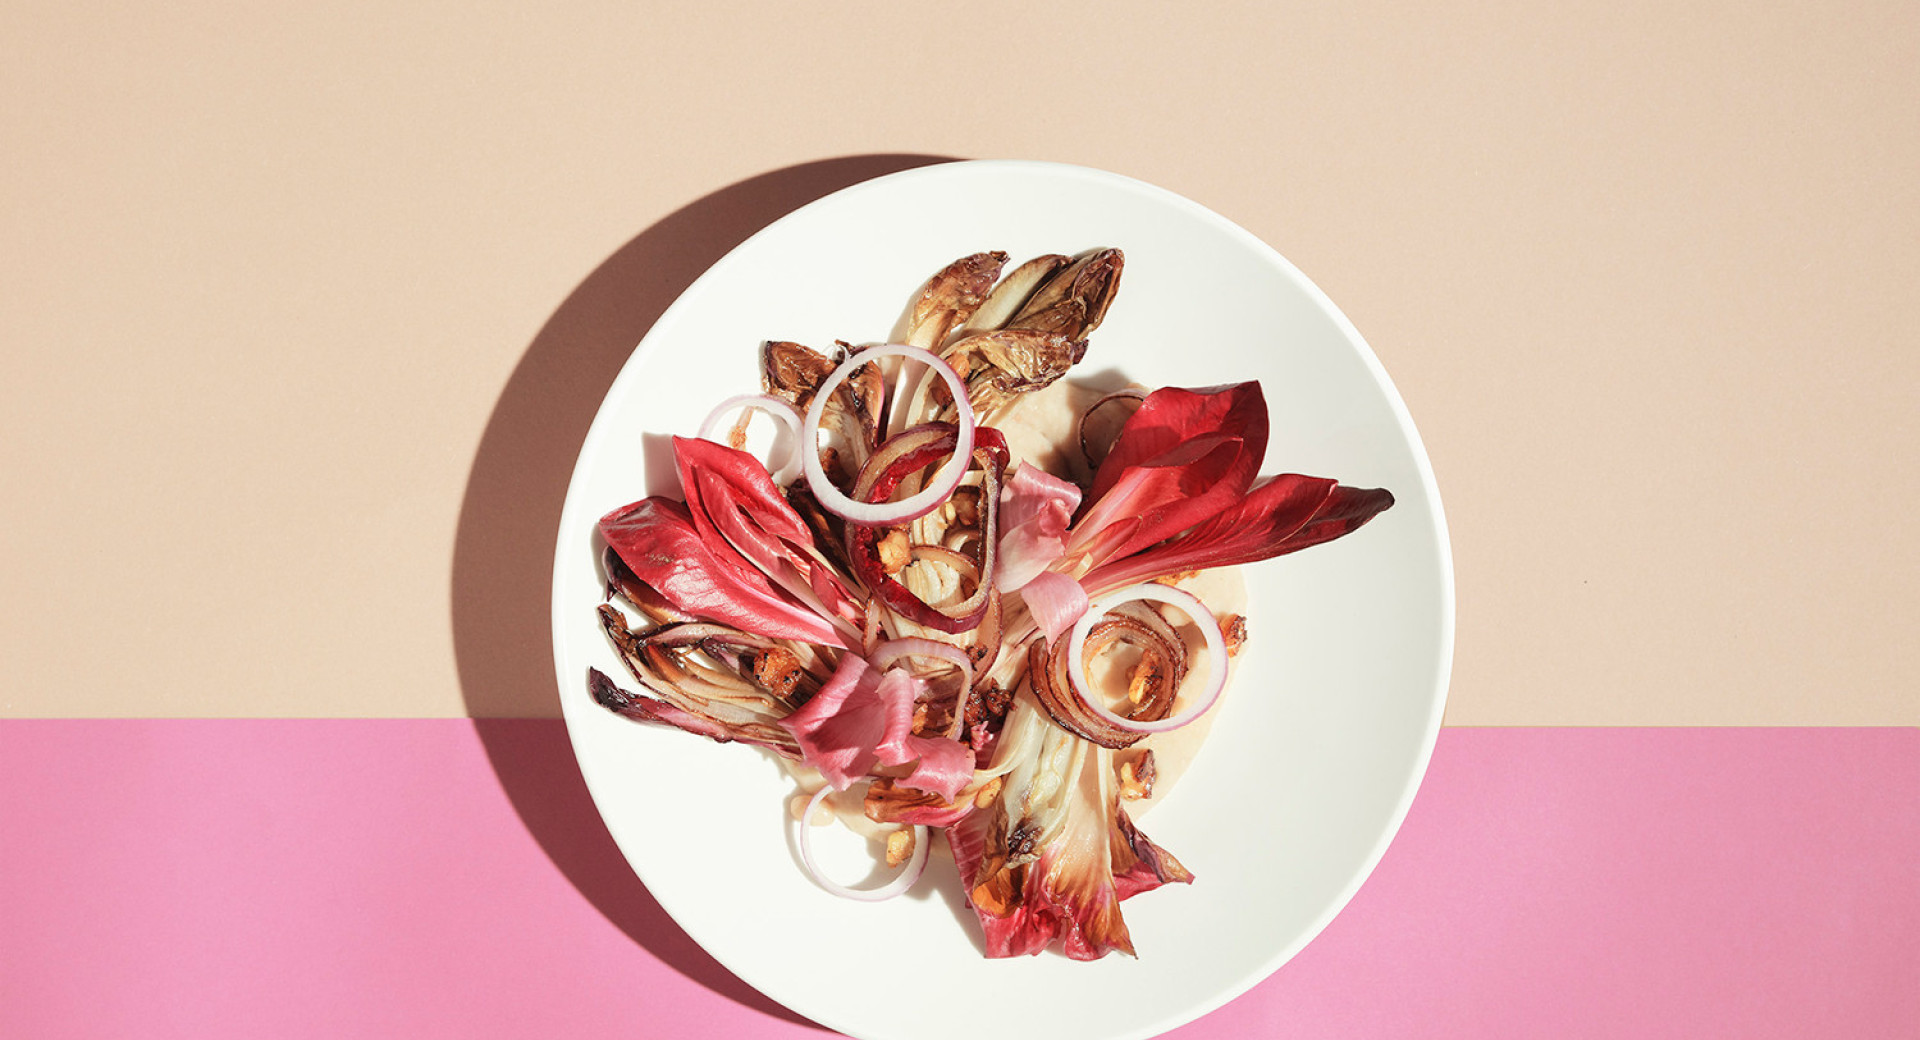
[641, 708]
[1074, 301]
[1005, 362]
[696, 679]
[1053, 853]
[793, 372]
[1033, 328]
[952, 296]
[1015, 290]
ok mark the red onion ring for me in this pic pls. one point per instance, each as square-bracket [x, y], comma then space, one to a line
[772, 406]
[938, 490]
[1156, 592]
[1126, 394]
[902, 881]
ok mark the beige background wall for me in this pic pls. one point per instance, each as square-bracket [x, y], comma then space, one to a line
[303, 313]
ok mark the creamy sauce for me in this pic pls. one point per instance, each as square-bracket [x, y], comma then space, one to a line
[1224, 593]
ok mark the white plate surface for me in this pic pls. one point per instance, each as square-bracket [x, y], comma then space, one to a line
[1332, 716]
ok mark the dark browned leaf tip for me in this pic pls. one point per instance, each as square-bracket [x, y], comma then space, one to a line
[606, 693]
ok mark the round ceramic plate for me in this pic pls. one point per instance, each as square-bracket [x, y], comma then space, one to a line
[1333, 711]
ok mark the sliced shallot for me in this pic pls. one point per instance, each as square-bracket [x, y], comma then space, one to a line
[909, 873]
[862, 541]
[892, 650]
[1133, 394]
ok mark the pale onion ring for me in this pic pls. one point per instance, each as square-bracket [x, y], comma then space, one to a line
[1155, 592]
[774, 407]
[893, 650]
[938, 490]
[902, 881]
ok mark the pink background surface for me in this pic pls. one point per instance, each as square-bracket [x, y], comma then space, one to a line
[429, 878]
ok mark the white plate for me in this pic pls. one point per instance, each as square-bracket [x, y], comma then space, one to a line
[1325, 735]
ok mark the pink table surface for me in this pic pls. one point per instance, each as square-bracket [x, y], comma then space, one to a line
[446, 878]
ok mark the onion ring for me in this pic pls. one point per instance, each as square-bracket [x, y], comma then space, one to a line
[1127, 394]
[990, 450]
[902, 881]
[1156, 592]
[893, 650]
[880, 514]
[772, 406]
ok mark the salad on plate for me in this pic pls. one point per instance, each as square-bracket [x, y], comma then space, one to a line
[954, 591]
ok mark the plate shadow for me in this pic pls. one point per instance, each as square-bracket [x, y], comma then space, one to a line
[510, 515]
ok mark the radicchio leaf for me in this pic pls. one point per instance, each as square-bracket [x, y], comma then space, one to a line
[656, 538]
[735, 504]
[1184, 456]
[1035, 509]
[1177, 493]
[862, 719]
[1285, 514]
[1056, 602]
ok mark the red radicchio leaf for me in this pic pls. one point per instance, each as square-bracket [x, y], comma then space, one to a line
[862, 719]
[735, 505]
[1171, 417]
[1282, 515]
[1184, 457]
[657, 540]
[739, 481]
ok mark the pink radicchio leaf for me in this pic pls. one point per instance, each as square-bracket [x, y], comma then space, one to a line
[1056, 602]
[941, 766]
[657, 540]
[862, 719]
[1035, 509]
[1284, 514]
[1183, 457]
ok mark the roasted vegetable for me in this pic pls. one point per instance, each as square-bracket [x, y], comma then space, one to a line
[923, 613]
